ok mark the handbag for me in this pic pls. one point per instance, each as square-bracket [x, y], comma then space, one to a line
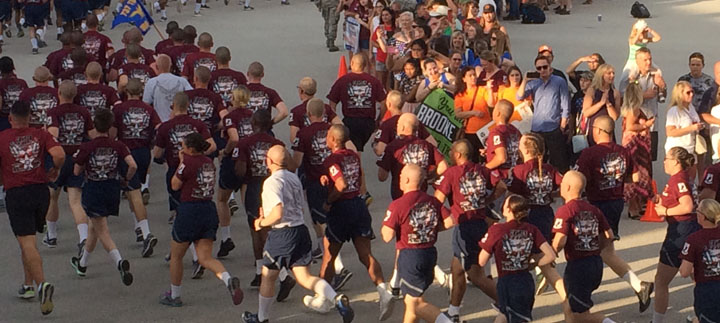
[700, 145]
[461, 132]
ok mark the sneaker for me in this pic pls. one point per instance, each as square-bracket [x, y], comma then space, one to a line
[248, 317]
[124, 268]
[646, 289]
[227, 2]
[255, 283]
[248, 8]
[453, 318]
[26, 292]
[138, 235]
[235, 290]
[79, 270]
[167, 257]
[318, 303]
[81, 248]
[197, 270]
[387, 303]
[233, 205]
[285, 287]
[204, 6]
[285, 3]
[167, 299]
[367, 198]
[41, 43]
[341, 279]
[225, 248]
[342, 303]
[58, 36]
[171, 219]
[50, 243]
[563, 12]
[49, 21]
[197, 14]
[542, 284]
[8, 31]
[46, 294]
[20, 33]
[146, 192]
[163, 18]
[148, 245]
[333, 49]
[317, 253]
[396, 293]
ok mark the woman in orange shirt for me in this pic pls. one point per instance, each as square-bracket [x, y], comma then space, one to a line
[508, 92]
[471, 106]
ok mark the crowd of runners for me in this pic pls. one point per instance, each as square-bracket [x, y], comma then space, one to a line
[93, 119]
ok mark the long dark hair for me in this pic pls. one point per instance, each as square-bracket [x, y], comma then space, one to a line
[415, 63]
[461, 86]
[196, 142]
[519, 207]
[392, 18]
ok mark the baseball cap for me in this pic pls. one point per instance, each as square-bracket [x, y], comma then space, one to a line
[488, 8]
[439, 11]
[544, 48]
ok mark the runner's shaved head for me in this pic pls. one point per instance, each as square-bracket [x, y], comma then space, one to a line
[42, 74]
[205, 41]
[394, 100]
[504, 109]
[339, 133]
[315, 107]
[462, 147]
[278, 155]
[411, 176]
[573, 182]
[606, 125]
[163, 63]
[67, 90]
[93, 71]
[357, 63]
[134, 36]
[407, 124]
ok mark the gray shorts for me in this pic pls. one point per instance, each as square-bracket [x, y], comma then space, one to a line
[380, 66]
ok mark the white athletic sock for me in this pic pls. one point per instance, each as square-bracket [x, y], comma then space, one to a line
[247, 3]
[156, 5]
[145, 185]
[453, 310]
[633, 280]
[324, 289]
[52, 229]
[658, 317]
[115, 255]
[441, 318]
[100, 16]
[258, 266]
[164, 14]
[145, 227]
[41, 34]
[283, 274]
[382, 289]
[175, 291]
[1, 37]
[225, 277]
[394, 281]
[84, 258]
[83, 26]
[203, 2]
[34, 42]
[22, 21]
[607, 320]
[193, 251]
[197, 7]
[338, 264]
[224, 233]
[82, 231]
[264, 307]
[439, 275]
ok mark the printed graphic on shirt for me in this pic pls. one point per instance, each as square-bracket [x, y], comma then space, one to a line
[539, 187]
[319, 146]
[709, 179]
[103, 164]
[351, 173]
[416, 154]
[72, 127]
[307, 122]
[517, 246]
[79, 79]
[513, 151]
[359, 94]
[613, 168]
[39, 106]
[423, 219]
[711, 258]
[201, 109]
[66, 63]
[92, 46]
[206, 62]
[178, 133]
[472, 187]
[587, 230]
[259, 100]
[139, 74]
[26, 151]
[224, 85]
[136, 121]
[258, 152]
[11, 95]
[93, 100]
[206, 182]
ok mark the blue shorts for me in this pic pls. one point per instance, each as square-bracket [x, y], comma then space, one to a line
[173, 196]
[96, 4]
[582, 277]
[516, 296]
[415, 270]
[194, 221]
[677, 233]
[5, 15]
[252, 199]
[73, 10]
[612, 210]
[349, 219]
[706, 306]
[316, 197]
[101, 198]
[35, 15]
[542, 217]
[228, 178]
[66, 177]
[142, 159]
[364, 43]
[466, 236]
[220, 143]
[4, 121]
[287, 248]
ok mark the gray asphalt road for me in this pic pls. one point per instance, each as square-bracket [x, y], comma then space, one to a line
[289, 41]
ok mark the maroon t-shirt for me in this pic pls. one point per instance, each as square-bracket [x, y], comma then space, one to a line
[119, 59]
[205, 105]
[583, 224]
[59, 61]
[101, 158]
[702, 249]
[171, 133]
[508, 137]
[138, 71]
[42, 99]
[345, 163]
[198, 176]
[238, 119]
[195, 60]
[75, 74]
[416, 218]
[469, 186]
[525, 181]
[224, 81]
[711, 180]
[606, 166]
[358, 93]
[499, 78]
[678, 185]
[164, 44]
[22, 156]
[96, 46]
[96, 96]
[387, 132]
[300, 119]
[262, 97]
[178, 55]
[73, 123]
[513, 243]
[10, 89]
[408, 150]
[311, 141]
[135, 122]
[253, 150]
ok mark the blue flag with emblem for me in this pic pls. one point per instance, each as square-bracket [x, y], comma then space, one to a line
[133, 12]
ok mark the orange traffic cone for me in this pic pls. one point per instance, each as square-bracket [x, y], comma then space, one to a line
[650, 213]
[342, 68]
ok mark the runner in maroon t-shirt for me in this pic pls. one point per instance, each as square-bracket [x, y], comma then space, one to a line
[42, 98]
[206, 105]
[224, 80]
[203, 58]
[130, 37]
[23, 152]
[10, 88]
[298, 115]
[94, 95]
[179, 53]
[77, 72]
[708, 186]
[134, 68]
[501, 145]
[415, 243]
[387, 132]
[98, 46]
[170, 28]
[59, 61]
[262, 97]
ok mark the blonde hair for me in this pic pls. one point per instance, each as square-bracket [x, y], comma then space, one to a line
[632, 99]
[599, 78]
[240, 97]
[535, 146]
[677, 98]
[710, 209]
[456, 34]
[395, 98]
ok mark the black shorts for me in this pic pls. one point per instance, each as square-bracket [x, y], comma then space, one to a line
[612, 210]
[27, 215]
[582, 277]
[18, 5]
[194, 221]
[67, 177]
[516, 296]
[706, 306]
[4, 122]
[228, 178]
[253, 191]
[101, 198]
[466, 236]
[96, 4]
[415, 270]
[73, 10]
[316, 197]
[349, 219]
[220, 143]
[542, 217]
[675, 236]
[287, 248]
[142, 159]
[5, 11]
[173, 196]
[35, 15]
[361, 129]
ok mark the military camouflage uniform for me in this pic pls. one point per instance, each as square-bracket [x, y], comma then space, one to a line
[328, 8]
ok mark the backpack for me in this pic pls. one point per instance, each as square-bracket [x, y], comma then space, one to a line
[639, 10]
[532, 14]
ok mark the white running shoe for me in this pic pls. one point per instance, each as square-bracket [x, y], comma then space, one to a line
[318, 303]
[387, 303]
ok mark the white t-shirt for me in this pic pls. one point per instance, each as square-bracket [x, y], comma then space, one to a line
[283, 187]
[681, 119]
[715, 133]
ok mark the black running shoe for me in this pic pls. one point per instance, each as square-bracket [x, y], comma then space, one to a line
[285, 287]
[148, 245]
[225, 248]
[255, 283]
[79, 270]
[124, 268]
[138, 235]
[341, 279]
[646, 289]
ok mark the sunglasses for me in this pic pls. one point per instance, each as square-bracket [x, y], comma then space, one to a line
[689, 92]
[457, 59]
[542, 67]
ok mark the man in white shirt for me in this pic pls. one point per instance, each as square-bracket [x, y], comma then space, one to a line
[160, 90]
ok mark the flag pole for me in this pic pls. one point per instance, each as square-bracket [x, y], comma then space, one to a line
[158, 31]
